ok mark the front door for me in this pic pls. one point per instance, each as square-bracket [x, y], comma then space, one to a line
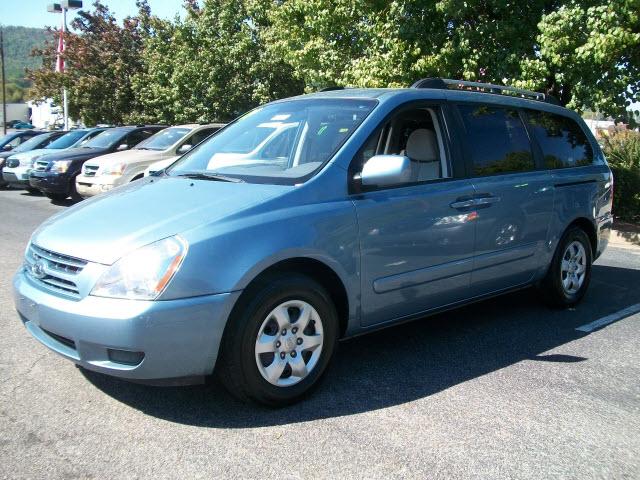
[417, 239]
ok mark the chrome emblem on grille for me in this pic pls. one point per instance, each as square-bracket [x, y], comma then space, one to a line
[37, 269]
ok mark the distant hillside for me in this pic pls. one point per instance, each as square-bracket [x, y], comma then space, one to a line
[18, 43]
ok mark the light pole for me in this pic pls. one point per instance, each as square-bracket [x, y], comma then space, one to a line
[63, 7]
[4, 90]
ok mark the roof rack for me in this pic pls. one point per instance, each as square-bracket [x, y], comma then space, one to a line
[330, 89]
[449, 84]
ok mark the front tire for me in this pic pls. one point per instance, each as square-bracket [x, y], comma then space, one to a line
[56, 197]
[569, 275]
[277, 346]
[73, 192]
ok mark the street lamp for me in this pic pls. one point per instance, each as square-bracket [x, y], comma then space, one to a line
[62, 7]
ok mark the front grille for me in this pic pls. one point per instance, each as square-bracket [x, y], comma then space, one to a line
[41, 165]
[52, 270]
[90, 170]
[13, 162]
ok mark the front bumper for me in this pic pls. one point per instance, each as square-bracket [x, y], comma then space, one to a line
[90, 186]
[16, 176]
[49, 182]
[178, 338]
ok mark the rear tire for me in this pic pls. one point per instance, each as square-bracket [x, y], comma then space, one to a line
[569, 275]
[33, 191]
[278, 344]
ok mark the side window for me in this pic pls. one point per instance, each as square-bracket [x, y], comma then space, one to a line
[199, 136]
[17, 141]
[562, 141]
[49, 140]
[137, 136]
[415, 133]
[497, 140]
[90, 136]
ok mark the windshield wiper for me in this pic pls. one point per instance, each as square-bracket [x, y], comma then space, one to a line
[210, 176]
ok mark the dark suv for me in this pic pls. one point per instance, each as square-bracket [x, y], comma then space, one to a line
[55, 175]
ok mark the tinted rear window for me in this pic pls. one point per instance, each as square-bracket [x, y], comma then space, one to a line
[497, 139]
[561, 139]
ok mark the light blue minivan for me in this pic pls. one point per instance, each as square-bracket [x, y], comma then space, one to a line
[316, 218]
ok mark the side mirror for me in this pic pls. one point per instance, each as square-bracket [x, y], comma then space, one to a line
[386, 171]
[122, 147]
[7, 148]
[184, 148]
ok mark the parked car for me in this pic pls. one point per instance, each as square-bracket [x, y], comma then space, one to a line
[108, 171]
[386, 205]
[11, 140]
[19, 165]
[38, 141]
[22, 126]
[55, 175]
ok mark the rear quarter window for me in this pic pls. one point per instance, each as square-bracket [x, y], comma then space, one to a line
[497, 140]
[562, 141]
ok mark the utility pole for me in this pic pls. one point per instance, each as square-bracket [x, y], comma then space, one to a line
[4, 87]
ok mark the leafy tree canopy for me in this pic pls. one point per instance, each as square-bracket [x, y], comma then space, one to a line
[224, 56]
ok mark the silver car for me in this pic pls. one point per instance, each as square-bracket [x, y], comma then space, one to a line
[359, 209]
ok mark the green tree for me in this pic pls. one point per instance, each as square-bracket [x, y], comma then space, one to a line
[588, 55]
[585, 52]
[380, 43]
[101, 58]
[213, 65]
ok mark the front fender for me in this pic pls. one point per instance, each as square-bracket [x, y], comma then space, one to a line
[227, 255]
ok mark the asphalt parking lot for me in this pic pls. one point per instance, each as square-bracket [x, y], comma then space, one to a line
[506, 388]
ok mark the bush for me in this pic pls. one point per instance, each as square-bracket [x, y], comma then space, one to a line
[623, 154]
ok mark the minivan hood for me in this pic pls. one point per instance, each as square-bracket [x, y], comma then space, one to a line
[126, 157]
[35, 153]
[76, 153]
[106, 227]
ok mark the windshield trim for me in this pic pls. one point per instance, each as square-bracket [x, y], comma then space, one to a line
[288, 180]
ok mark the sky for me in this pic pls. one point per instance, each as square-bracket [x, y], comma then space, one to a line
[33, 13]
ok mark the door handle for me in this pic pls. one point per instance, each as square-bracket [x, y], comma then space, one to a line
[486, 200]
[463, 204]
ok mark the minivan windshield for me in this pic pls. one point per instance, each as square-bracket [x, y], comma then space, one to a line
[31, 143]
[67, 140]
[106, 139]
[163, 139]
[280, 143]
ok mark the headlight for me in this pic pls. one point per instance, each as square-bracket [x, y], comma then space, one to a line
[60, 166]
[114, 169]
[144, 273]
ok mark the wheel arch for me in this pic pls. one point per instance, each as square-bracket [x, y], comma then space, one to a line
[315, 269]
[589, 228]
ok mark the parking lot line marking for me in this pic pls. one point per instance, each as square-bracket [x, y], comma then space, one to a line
[614, 317]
